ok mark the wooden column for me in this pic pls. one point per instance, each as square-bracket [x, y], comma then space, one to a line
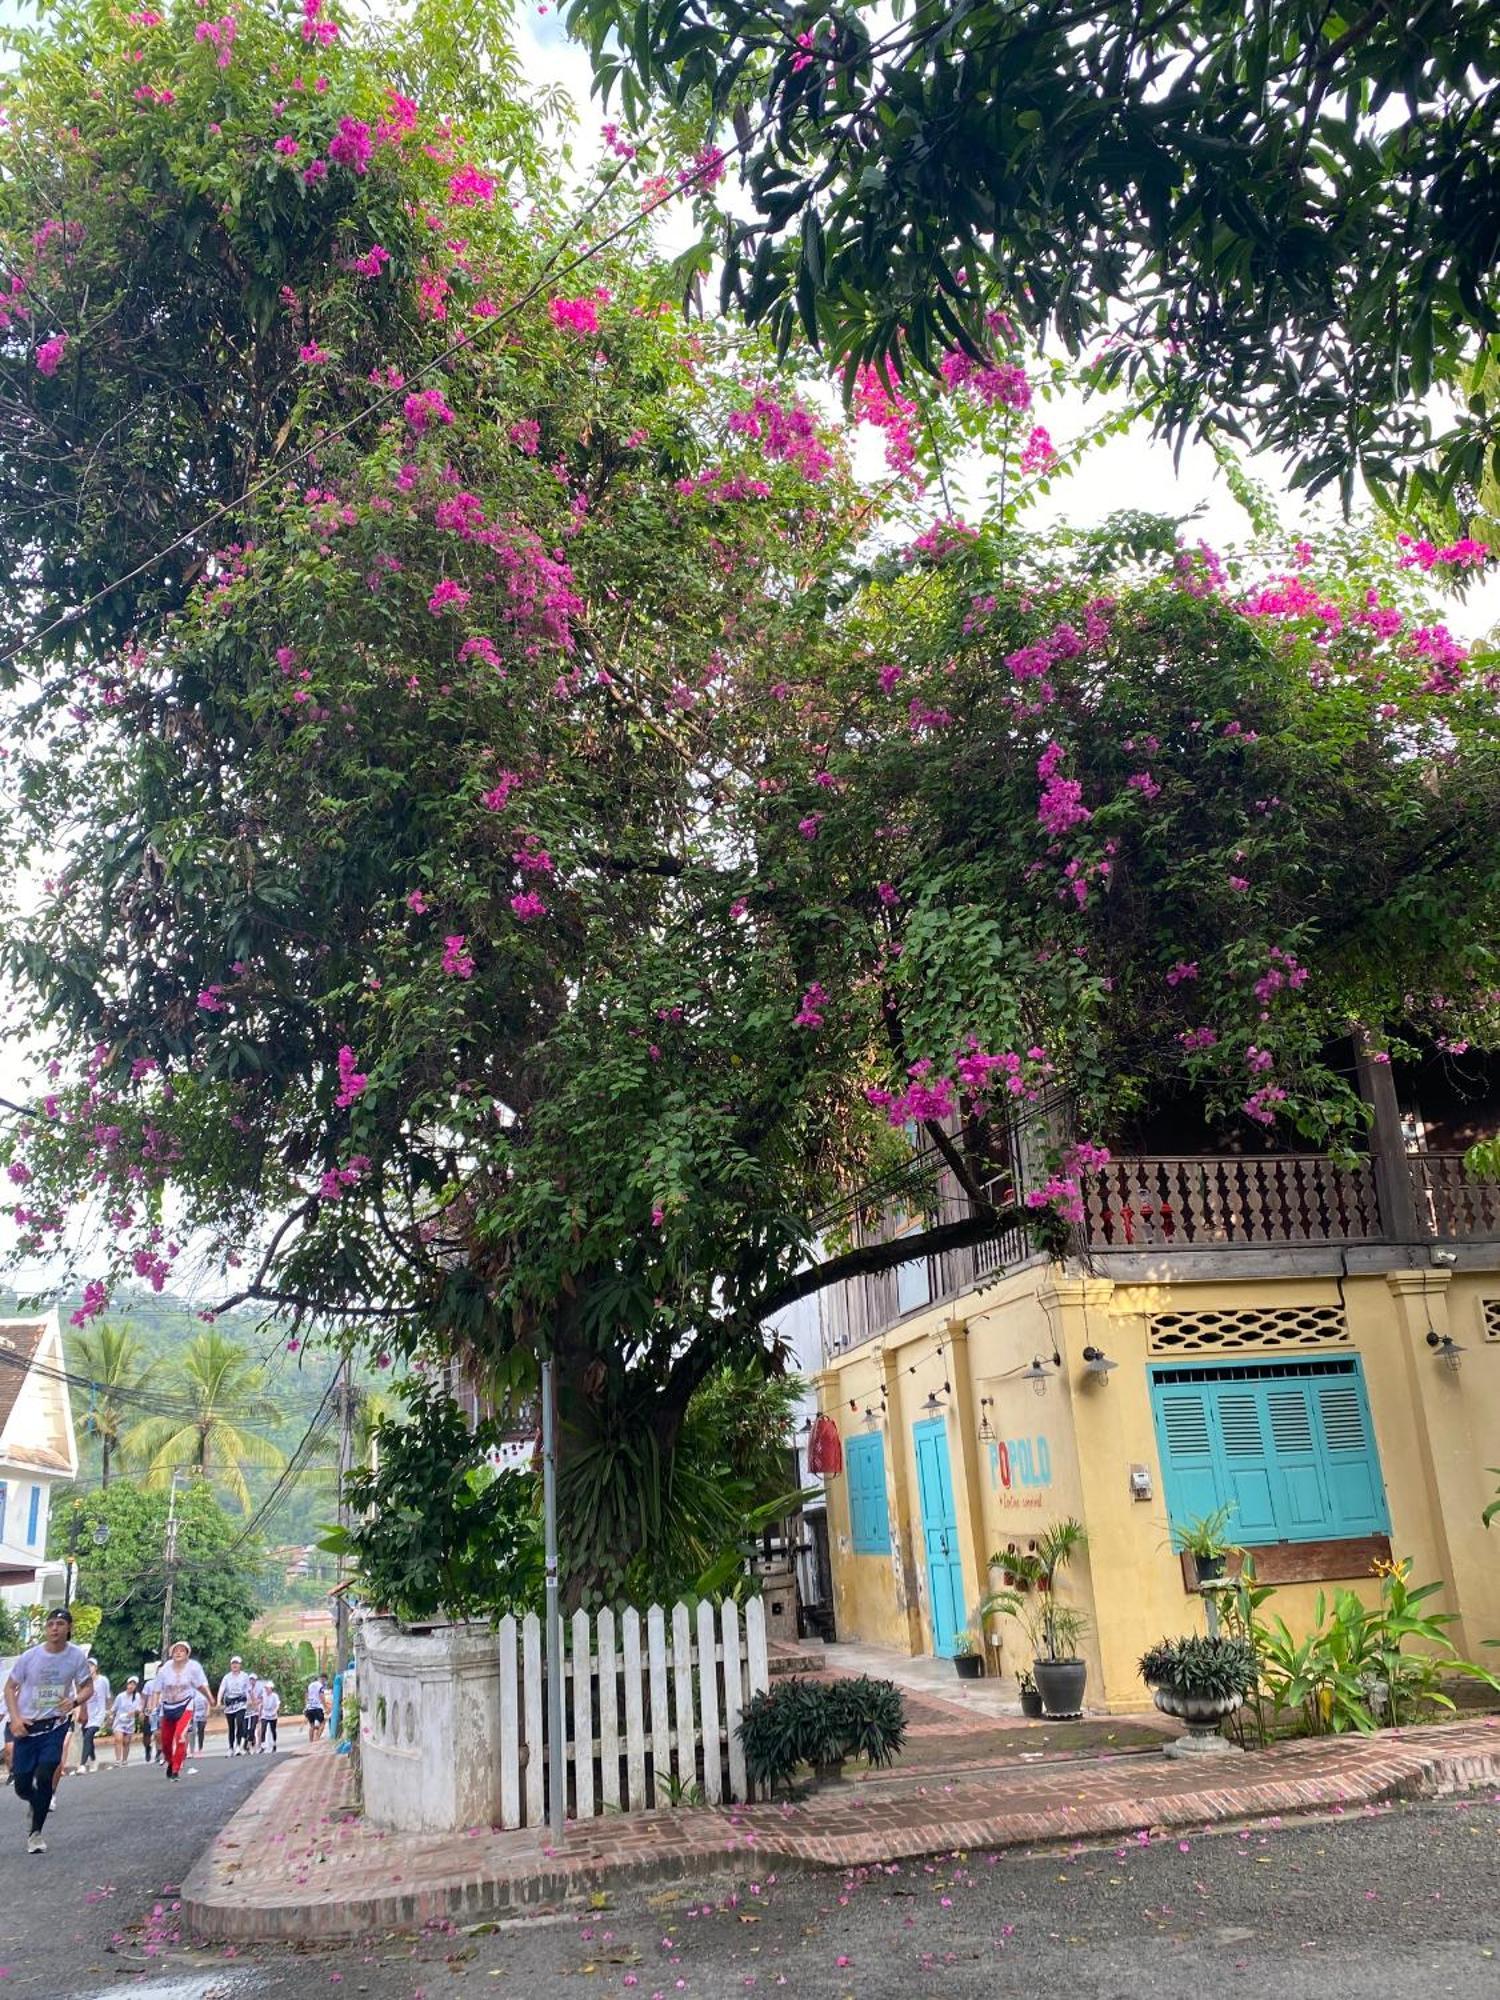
[1398, 1211]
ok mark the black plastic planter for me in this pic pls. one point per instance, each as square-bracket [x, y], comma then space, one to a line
[969, 1666]
[1209, 1568]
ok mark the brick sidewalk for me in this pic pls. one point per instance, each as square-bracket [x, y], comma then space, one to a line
[295, 1862]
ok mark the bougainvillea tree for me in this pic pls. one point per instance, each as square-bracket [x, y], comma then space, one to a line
[513, 882]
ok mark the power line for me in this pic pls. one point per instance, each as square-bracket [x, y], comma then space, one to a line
[161, 1405]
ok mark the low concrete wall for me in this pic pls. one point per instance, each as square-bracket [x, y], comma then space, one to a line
[429, 1726]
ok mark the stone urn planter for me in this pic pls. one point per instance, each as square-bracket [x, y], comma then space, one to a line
[1060, 1685]
[1203, 1715]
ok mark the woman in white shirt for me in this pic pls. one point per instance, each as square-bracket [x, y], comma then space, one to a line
[126, 1712]
[95, 1716]
[178, 1679]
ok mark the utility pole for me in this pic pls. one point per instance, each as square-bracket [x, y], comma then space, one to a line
[347, 1399]
[171, 1560]
[556, 1779]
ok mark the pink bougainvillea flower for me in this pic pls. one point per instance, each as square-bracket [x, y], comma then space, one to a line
[448, 592]
[352, 145]
[50, 353]
[577, 315]
[373, 261]
[457, 962]
[528, 906]
[351, 1083]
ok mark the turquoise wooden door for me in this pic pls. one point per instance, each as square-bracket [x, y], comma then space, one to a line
[945, 1583]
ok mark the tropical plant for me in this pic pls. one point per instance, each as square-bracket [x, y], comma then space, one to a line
[11, 1630]
[1238, 1607]
[1493, 1509]
[222, 1390]
[1206, 1536]
[1056, 1628]
[1231, 194]
[1210, 1669]
[438, 1532]
[966, 1643]
[118, 1370]
[796, 1722]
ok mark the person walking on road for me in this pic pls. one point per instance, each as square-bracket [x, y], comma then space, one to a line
[200, 1719]
[234, 1698]
[42, 1690]
[316, 1710]
[177, 1679]
[95, 1716]
[252, 1713]
[270, 1709]
[126, 1714]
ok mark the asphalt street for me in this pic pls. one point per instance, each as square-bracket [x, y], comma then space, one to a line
[1393, 1904]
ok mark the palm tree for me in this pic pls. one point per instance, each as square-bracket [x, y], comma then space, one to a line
[114, 1360]
[220, 1388]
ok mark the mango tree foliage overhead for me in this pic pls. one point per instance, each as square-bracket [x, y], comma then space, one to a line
[515, 889]
[1283, 217]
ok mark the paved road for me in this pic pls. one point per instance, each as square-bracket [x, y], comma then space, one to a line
[1395, 1905]
[77, 1918]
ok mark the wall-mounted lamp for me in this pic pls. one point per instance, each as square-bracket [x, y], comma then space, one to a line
[872, 1417]
[986, 1428]
[1037, 1375]
[1098, 1365]
[1446, 1348]
[933, 1407]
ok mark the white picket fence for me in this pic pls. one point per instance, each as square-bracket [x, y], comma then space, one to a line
[652, 1708]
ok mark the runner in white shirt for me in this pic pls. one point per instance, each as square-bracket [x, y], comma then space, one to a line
[148, 1718]
[177, 1680]
[234, 1698]
[42, 1690]
[270, 1709]
[200, 1719]
[317, 1708]
[95, 1716]
[126, 1713]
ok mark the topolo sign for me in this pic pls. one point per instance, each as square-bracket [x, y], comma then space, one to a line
[1020, 1462]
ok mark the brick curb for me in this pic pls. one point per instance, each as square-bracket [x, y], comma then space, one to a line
[241, 1891]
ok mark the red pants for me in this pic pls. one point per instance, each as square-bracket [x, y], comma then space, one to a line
[172, 1737]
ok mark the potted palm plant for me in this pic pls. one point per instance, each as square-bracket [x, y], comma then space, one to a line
[1031, 1700]
[1059, 1672]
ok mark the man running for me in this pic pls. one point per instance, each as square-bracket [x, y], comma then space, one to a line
[233, 1698]
[127, 1709]
[270, 1709]
[178, 1676]
[95, 1716]
[317, 1708]
[42, 1690]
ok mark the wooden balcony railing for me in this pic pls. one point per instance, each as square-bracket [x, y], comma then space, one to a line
[1188, 1203]
[1451, 1203]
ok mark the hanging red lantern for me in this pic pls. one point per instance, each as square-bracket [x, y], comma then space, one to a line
[825, 1448]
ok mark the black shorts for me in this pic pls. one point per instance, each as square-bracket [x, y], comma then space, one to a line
[315, 1714]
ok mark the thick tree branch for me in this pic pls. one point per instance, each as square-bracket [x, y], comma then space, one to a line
[872, 1258]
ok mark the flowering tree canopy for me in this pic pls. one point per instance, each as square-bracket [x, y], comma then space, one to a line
[1278, 216]
[516, 884]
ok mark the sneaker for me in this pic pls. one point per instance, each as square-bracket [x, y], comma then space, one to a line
[36, 1845]
[192, 1770]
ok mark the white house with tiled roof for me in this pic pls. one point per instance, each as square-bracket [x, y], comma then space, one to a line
[37, 1452]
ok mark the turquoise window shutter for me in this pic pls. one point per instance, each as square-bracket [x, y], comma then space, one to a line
[1289, 1446]
[1189, 1458]
[1356, 1490]
[869, 1515]
[32, 1515]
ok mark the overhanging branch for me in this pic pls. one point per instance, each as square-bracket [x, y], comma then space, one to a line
[872, 1258]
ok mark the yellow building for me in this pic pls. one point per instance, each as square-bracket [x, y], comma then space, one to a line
[1316, 1347]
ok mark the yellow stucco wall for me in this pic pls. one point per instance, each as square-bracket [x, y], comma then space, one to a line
[1071, 1450]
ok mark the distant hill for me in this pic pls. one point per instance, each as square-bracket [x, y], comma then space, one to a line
[296, 1382]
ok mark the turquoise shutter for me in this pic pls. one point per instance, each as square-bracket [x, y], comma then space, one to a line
[1356, 1490]
[869, 1517]
[1239, 1417]
[1303, 1512]
[1189, 1467]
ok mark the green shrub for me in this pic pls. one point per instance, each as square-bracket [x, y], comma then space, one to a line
[1208, 1669]
[799, 1722]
